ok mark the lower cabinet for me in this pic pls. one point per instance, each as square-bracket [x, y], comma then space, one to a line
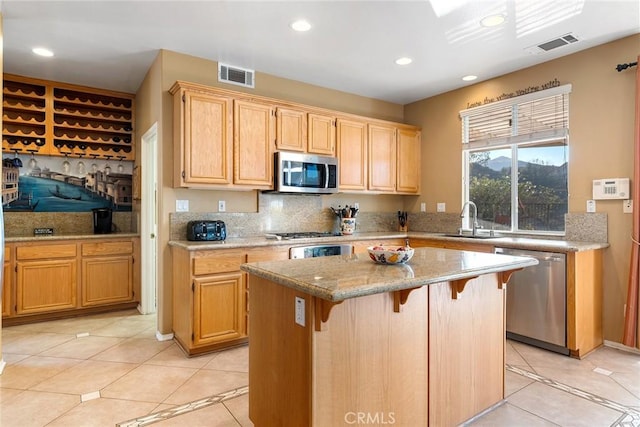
[65, 278]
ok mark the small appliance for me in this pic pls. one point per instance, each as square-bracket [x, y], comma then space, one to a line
[305, 173]
[207, 231]
[102, 220]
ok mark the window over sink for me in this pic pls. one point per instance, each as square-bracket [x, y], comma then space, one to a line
[515, 158]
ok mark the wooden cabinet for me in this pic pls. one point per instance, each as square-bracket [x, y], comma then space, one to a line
[209, 299]
[360, 246]
[253, 145]
[408, 161]
[382, 158]
[107, 273]
[46, 278]
[291, 129]
[44, 117]
[321, 134]
[351, 136]
[203, 135]
[7, 282]
[448, 244]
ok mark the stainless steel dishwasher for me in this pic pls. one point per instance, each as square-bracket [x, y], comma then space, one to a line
[537, 301]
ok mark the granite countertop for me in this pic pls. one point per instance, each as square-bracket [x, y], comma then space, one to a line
[529, 243]
[48, 238]
[337, 278]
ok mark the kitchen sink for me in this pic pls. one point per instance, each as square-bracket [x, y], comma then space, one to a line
[471, 236]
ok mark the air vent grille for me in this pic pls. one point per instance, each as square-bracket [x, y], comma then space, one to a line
[236, 75]
[557, 42]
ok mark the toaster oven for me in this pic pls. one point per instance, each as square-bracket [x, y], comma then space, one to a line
[207, 231]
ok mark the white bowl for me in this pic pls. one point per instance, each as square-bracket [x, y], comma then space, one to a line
[390, 254]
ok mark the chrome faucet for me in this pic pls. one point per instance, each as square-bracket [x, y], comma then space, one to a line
[474, 225]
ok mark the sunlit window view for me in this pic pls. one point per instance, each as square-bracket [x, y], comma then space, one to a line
[539, 177]
[515, 162]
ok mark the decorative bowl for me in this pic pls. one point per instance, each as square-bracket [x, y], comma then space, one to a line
[390, 254]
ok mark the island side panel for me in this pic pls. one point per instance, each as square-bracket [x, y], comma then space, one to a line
[466, 350]
[279, 356]
[370, 363]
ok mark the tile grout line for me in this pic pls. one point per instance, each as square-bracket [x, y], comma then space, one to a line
[629, 418]
[184, 408]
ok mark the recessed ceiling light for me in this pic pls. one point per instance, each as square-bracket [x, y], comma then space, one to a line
[301, 25]
[492, 20]
[404, 61]
[469, 78]
[41, 51]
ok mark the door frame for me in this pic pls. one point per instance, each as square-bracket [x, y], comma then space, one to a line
[149, 221]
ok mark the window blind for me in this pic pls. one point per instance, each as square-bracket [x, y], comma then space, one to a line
[537, 116]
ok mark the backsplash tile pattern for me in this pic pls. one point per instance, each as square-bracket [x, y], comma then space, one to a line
[21, 224]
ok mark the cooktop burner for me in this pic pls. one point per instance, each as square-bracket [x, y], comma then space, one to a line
[305, 235]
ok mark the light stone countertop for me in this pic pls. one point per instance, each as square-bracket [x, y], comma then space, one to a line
[528, 243]
[49, 238]
[337, 278]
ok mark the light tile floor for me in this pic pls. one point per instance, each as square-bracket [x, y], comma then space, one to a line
[109, 370]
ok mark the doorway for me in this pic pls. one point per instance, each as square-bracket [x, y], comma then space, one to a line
[149, 221]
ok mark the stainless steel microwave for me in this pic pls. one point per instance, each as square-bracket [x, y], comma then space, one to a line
[305, 173]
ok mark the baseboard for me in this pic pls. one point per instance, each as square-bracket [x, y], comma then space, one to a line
[164, 337]
[622, 347]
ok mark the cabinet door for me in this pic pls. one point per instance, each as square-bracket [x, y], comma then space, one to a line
[382, 158]
[107, 280]
[291, 129]
[253, 144]
[219, 309]
[321, 135]
[409, 161]
[352, 153]
[43, 286]
[203, 139]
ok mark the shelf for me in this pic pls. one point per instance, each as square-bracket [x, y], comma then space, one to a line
[66, 120]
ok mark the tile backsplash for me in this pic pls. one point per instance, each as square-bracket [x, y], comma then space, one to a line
[20, 224]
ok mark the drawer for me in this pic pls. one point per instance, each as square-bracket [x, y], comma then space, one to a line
[45, 251]
[212, 263]
[107, 248]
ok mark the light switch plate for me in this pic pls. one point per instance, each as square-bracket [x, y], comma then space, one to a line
[591, 206]
[300, 311]
[441, 207]
[423, 207]
[182, 206]
[222, 206]
[627, 206]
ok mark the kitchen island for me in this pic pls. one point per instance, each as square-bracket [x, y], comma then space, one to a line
[340, 340]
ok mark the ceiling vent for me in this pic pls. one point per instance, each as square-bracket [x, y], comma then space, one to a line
[560, 41]
[236, 75]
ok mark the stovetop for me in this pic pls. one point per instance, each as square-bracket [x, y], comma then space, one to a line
[301, 235]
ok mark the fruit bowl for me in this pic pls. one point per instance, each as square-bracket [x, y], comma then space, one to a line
[390, 254]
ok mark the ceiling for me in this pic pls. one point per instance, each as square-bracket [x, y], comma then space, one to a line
[351, 46]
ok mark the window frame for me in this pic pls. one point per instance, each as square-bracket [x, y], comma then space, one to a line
[513, 142]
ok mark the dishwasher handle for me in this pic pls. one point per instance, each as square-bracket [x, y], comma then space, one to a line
[539, 255]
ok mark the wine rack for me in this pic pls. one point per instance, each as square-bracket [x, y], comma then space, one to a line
[44, 117]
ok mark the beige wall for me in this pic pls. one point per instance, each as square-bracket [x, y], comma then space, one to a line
[155, 104]
[601, 145]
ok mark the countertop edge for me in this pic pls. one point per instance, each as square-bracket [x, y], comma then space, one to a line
[531, 243]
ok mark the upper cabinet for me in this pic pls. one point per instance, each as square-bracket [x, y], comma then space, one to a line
[226, 140]
[291, 129]
[44, 117]
[352, 154]
[253, 146]
[322, 134]
[203, 122]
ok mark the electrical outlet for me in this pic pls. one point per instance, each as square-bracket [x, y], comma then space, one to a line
[441, 207]
[222, 206]
[423, 207]
[182, 206]
[300, 311]
[627, 206]
[591, 206]
[356, 205]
